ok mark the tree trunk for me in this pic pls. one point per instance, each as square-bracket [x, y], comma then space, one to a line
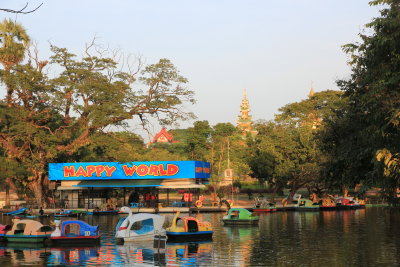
[274, 190]
[9, 184]
[39, 190]
[293, 191]
[7, 201]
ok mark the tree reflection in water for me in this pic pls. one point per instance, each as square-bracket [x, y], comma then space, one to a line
[366, 237]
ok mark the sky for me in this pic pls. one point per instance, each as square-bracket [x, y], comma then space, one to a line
[273, 49]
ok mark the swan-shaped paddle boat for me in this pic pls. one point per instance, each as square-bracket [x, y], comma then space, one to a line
[137, 227]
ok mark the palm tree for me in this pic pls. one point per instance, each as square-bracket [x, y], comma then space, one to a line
[14, 41]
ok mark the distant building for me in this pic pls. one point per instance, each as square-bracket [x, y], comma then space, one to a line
[313, 119]
[244, 122]
[163, 137]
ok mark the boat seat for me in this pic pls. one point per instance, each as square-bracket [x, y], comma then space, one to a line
[145, 229]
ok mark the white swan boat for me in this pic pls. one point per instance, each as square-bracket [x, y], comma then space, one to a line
[137, 227]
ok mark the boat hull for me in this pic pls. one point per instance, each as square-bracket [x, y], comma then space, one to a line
[307, 208]
[328, 208]
[264, 210]
[239, 222]
[186, 236]
[142, 237]
[27, 239]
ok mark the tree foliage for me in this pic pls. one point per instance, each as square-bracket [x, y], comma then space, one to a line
[76, 114]
[365, 137]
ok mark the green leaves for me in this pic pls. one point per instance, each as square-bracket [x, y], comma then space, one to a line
[77, 114]
[363, 139]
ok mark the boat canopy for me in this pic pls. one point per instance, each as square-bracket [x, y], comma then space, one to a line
[84, 228]
[303, 202]
[148, 221]
[29, 227]
[240, 214]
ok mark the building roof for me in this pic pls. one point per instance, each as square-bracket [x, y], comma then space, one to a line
[164, 133]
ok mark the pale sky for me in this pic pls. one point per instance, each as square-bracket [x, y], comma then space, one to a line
[274, 49]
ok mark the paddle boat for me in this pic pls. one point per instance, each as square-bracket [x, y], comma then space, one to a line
[188, 228]
[3, 230]
[306, 205]
[28, 231]
[137, 227]
[240, 216]
[327, 203]
[68, 213]
[17, 212]
[348, 203]
[263, 205]
[75, 232]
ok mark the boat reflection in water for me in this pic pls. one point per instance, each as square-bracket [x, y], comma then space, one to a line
[36, 255]
[141, 253]
[72, 256]
[22, 254]
[189, 253]
[177, 254]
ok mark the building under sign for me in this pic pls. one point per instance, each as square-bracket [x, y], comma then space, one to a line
[93, 184]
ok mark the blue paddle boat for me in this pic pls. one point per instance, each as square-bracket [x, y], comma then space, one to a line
[75, 232]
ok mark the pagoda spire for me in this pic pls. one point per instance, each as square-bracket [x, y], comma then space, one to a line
[244, 122]
[311, 94]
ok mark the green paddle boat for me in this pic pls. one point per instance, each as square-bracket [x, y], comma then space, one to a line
[240, 216]
[306, 205]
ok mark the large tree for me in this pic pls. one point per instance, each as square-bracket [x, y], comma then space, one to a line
[60, 118]
[368, 133]
[286, 151]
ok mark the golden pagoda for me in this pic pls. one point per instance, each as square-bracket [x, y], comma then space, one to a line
[244, 122]
[315, 121]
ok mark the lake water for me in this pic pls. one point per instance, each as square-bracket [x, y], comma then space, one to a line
[367, 237]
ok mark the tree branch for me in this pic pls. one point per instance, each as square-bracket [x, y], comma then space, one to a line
[21, 11]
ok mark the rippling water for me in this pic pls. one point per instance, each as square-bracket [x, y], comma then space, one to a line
[369, 237]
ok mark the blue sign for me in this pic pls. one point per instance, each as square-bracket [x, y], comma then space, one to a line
[129, 170]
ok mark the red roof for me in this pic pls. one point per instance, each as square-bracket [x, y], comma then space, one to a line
[163, 133]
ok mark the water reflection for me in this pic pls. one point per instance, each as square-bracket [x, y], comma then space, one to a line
[369, 237]
[72, 256]
[141, 254]
[189, 254]
[24, 254]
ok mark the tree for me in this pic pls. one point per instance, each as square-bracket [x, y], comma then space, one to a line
[220, 144]
[286, 151]
[14, 40]
[371, 150]
[198, 140]
[70, 116]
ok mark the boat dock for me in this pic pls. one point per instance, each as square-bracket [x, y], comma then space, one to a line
[144, 210]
